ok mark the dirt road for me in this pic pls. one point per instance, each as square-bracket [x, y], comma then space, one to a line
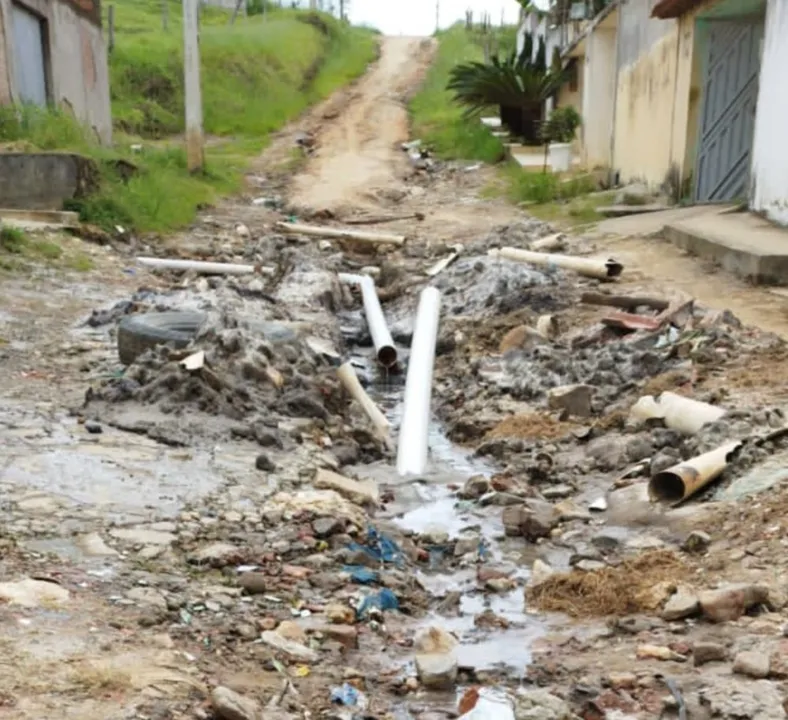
[169, 531]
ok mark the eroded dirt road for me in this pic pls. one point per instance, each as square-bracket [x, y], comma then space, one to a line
[168, 532]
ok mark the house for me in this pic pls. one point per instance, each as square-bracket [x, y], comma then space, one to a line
[686, 95]
[52, 52]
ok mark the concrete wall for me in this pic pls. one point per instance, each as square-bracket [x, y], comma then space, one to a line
[770, 151]
[42, 181]
[599, 90]
[647, 71]
[79, 74]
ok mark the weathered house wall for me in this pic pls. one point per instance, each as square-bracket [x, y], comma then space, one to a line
[647, 72]
[770, 150]
[78, 73]
[599, 90]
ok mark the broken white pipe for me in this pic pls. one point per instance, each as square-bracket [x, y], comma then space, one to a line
[414, 428]
[677, 483]
[340, 233]
[549, 243]
[381, 337]
[590, 267]
[349, 379]
[204, 268]
[679, 413]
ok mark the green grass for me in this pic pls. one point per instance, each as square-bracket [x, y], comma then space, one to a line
[18, 249]
[437, 119]
[567, 199]
[257, 75]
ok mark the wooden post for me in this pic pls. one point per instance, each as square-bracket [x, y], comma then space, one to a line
[195, 153]
[165, 15]
[110, 28]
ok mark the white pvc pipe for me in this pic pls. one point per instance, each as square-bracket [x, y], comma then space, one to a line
[349, 379]
[206, 268]
[381, 337]
[414, 429]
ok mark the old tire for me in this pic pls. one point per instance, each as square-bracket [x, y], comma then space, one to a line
[138, 333]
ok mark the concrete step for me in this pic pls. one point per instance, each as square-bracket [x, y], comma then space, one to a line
[741, 243]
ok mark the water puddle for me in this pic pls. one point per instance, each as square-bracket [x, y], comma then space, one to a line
[494, 630]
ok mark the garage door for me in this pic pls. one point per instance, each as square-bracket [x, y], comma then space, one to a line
[29, 56]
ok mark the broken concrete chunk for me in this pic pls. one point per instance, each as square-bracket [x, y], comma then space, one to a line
[658, 652]
[521, 337]
[540, 705]
[361, 493]
[705, 652]
[571, 399]
[294, 650]
[540, 572]
[682, 604]
[229, 705]
[436, 658]
[322, 503]
[217, 555]
[731, 602]
[33, 593]
[532, 520]
[751, 663]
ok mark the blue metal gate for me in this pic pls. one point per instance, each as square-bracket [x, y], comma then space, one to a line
[29, 56]
[727, 120]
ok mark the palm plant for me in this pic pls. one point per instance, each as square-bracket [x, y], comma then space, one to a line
[518, 86]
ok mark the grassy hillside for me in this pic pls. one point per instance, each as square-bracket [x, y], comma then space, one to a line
[257, 74]
[436, 118]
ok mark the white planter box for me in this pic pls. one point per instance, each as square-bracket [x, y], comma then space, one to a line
[560, 155]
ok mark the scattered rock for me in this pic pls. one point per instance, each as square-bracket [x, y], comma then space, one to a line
[347, 635]
[532, 520]
[540, 572]
[290, 630]
[361, 493]
[217, 555]
[33, 593]
[732, 699]
[705, 652]
[93, 544]
[731, 602]
[572, 399]
[143, 536]
[253, 583]
[340, 614]
[540, 705]
[93, 427]
[619, 680]
[697, 541]
[658, 652]
[328, 526]
[753, 663]
[599, 505]
[229, 705]
[474, 488]
[683, 603]
[521, 338]
[264, 463]
[436, 658]
[294, 650]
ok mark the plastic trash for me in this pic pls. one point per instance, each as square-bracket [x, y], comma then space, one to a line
[385, 599]
[361, 575]
[346, 695]
[379, 547]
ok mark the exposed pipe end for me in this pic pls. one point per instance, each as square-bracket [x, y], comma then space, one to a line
[387, 356]
[666, 488]
[614, 269]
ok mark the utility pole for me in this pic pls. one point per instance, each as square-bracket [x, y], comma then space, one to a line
[437, 15]
[195, 153]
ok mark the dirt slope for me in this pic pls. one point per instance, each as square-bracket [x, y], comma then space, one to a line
[357, 152]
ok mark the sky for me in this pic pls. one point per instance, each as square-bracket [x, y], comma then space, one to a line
[417, 17]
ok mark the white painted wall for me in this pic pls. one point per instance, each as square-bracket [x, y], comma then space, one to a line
[599, 89]
[770, 149]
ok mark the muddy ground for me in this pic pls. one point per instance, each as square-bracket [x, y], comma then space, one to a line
[173, 548]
